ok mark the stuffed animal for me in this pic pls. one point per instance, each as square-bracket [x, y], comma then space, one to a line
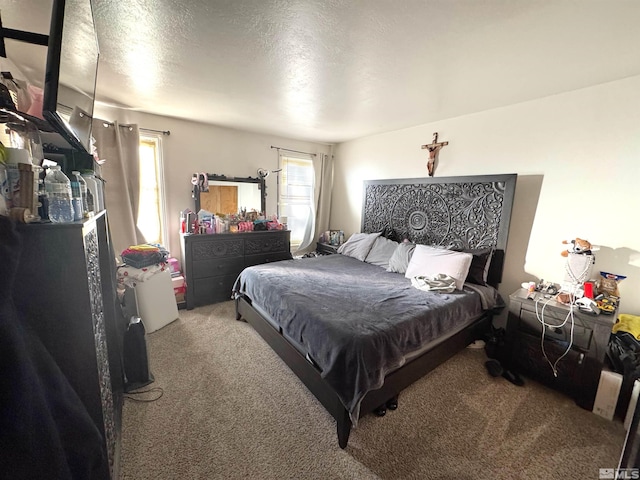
[579, 246]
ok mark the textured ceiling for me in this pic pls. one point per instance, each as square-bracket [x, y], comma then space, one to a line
[335, 70]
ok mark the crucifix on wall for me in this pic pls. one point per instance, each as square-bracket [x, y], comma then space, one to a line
[433, 147]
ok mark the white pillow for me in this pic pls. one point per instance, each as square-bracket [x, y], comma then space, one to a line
[399, 261]
[359, 245]
[381, 252]
[431, 261]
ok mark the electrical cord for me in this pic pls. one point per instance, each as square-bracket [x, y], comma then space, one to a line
[540, 317]
[157, 390]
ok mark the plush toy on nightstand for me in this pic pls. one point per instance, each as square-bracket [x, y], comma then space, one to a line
[579, 246]
[580, 260]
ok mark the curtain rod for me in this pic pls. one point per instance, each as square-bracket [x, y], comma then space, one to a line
[150, 130]
[163, 132]
[295, 151]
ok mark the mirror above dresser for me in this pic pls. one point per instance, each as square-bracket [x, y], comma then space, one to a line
[220, 194]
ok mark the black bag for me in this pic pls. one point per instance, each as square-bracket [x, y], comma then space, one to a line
[135, 356]
[624, 356]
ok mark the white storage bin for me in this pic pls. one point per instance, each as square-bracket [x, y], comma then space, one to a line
[155, 301]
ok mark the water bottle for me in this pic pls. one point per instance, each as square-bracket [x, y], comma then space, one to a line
[58, 188]
[84, 193]
[92, 192]
[43, 201]
[77, 199]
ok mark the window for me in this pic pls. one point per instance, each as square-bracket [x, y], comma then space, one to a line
[151, 209]
[295, 200]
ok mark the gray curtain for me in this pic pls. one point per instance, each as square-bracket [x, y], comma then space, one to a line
[118, 147]
[323, 167]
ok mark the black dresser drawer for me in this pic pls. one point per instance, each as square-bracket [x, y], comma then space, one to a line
[250, 260]
[213, 289]
[205, 247]
[216, 267]
[272, 242]
[581, 335]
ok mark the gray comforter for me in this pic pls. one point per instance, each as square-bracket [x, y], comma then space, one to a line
[355, 320]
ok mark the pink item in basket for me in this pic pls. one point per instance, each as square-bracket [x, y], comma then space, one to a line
[174, 265]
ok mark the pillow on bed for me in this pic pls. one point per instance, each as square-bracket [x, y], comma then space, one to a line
[359, 245]
[479, 269]
[391, 234]
[381, 252]
[399, 261]
[431, 261]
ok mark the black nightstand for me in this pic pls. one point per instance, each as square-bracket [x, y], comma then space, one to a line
[326, 248]
[578, 372]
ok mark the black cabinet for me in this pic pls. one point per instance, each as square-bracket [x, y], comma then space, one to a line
[577, 373]
[65, 291]
[211, 263]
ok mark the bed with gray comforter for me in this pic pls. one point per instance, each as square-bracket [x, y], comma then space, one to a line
[355, 321]
[357, 335]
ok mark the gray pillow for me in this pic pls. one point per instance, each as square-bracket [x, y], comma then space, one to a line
[358, 245]
[381, 252]
[399, 261]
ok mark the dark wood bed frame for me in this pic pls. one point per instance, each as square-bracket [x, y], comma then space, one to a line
[455, 212]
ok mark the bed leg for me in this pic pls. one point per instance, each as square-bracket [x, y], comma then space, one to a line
[381, 411]
[237, 301]
[344, 429]
[392, 403]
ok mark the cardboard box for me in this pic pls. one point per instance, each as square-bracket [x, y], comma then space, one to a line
[178, 284]
[607, 395]
[174, 266]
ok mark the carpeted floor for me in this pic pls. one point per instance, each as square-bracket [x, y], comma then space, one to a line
[232, 409]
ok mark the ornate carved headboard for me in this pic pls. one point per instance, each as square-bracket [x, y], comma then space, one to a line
[451, 212]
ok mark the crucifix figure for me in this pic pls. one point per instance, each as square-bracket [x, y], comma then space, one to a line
[433, 147]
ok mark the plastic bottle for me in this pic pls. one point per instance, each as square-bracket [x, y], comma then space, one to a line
[43, 201]
[58, 188]
[78, 199]
[84, 193]
[101, 192]
[92, 192]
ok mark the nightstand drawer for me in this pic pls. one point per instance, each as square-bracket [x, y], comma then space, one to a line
[582, 335]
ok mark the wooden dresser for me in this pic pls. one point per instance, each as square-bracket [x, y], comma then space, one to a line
[212, 263]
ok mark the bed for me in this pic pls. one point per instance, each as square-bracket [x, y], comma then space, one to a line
[357, 334]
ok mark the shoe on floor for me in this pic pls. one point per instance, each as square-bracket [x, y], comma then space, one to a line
[513, 377]
[494, 368]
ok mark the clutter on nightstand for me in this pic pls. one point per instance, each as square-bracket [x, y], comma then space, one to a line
[561, 334]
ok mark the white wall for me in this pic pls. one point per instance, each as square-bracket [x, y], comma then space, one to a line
[578, 159]
[197, 147]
